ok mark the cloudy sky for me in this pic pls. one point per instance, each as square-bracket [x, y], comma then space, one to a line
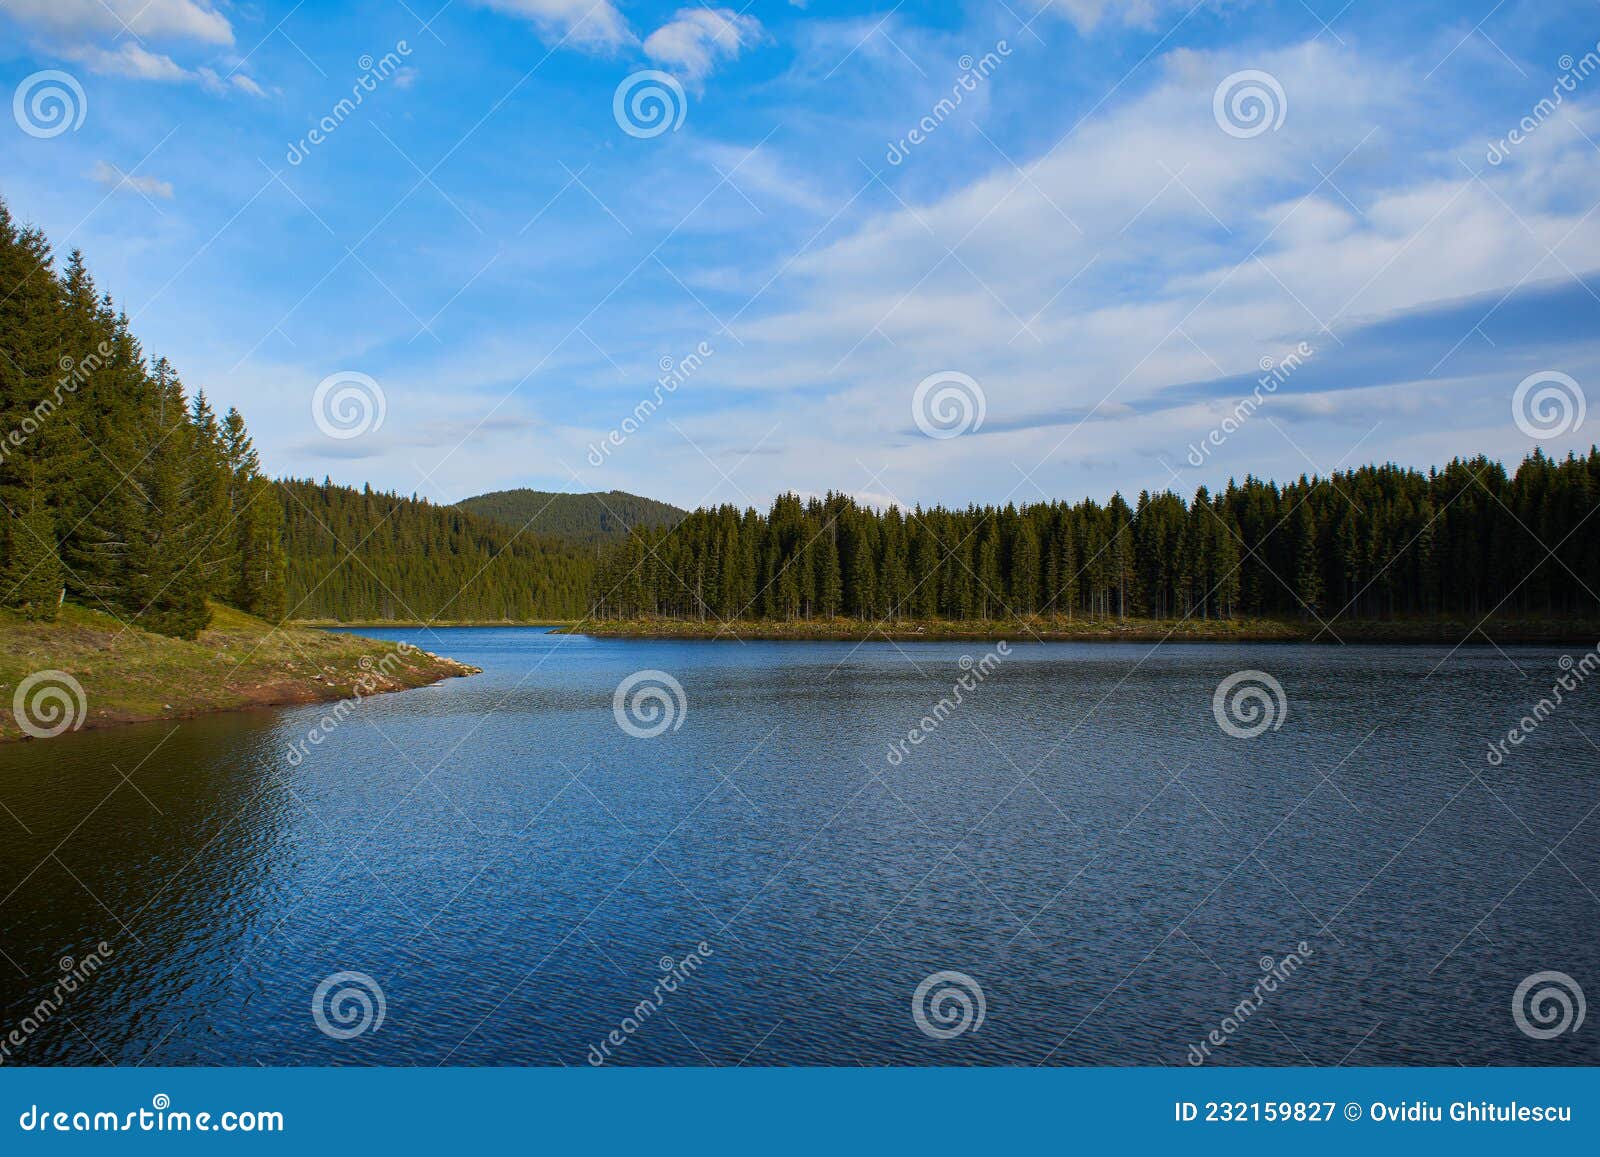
[1091, 222]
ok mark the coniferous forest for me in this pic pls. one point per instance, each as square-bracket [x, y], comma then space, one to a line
[357, 555]
[1372, 543]
[124, 494]
[118, 490]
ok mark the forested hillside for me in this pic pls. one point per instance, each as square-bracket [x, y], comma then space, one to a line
[358, 555]
[116, 489]
[591, 518]
[1376, 542]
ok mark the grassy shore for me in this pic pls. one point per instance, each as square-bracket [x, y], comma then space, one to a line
[130, 675]
[1450, 631]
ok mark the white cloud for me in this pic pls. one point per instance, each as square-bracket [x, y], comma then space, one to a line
[697, 38]
[583, 23]
[760, 174]
[115, 179]
[131, 60]
[1086, 15]
[77, 20]
[1188, 257]
[118, 37]
[138, 63]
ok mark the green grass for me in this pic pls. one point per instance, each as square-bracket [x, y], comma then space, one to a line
[129, 675]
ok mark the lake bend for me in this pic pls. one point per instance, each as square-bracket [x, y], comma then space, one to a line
[643, 852]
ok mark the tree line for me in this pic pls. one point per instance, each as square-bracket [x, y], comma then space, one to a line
[361, 555]
[117, 490]
[1373, 542]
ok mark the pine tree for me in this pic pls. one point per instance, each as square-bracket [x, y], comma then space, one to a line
[1307, 560]
[30, 570]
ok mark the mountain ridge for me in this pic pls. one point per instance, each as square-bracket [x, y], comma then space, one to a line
[598, 516]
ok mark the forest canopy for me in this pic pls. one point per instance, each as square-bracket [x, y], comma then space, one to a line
[118, 490]
[1369, 543]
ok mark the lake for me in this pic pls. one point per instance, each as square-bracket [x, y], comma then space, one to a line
[1077, 863]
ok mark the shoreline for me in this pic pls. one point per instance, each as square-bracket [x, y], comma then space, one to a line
[1508, 631]
[93, 673]
[1552, 632]
[419, 625]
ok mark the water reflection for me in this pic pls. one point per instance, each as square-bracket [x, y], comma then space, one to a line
[510, 868]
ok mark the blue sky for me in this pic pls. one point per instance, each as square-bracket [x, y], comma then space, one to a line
[1081, 235]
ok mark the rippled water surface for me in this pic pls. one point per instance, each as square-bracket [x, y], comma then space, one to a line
[1079, 837]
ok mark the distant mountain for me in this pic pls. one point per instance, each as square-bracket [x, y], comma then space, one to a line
[585, 518]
